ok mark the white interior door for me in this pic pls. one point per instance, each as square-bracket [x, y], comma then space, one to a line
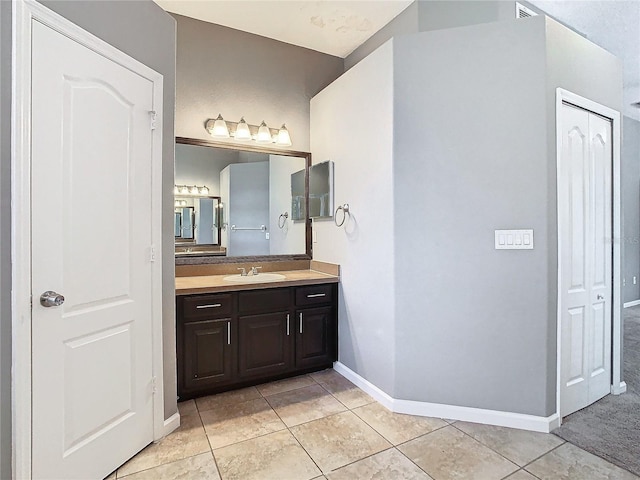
[91, 237]
[585, 223]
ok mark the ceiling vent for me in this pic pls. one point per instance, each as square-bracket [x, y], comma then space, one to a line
[524, 12]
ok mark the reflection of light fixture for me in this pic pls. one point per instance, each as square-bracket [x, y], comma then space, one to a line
[190, 190]
[283, 136]
[242, 130]
[220, 128]
[264, 135]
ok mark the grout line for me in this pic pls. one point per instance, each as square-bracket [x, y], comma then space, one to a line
[524, 467]
[490, 448]
[421, 469]
[424, 434]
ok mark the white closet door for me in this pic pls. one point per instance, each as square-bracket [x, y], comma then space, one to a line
[585, 258]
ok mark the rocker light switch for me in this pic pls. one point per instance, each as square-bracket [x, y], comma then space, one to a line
[515, 239]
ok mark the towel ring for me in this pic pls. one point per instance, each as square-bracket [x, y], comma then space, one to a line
[345, 212]
[283, 217]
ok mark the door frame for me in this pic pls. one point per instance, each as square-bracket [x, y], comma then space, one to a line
[617, 385]
[24, 13]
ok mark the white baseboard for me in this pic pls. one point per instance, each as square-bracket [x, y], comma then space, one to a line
[631, 304]
[468, 414]
[170, 424]
[619, 389]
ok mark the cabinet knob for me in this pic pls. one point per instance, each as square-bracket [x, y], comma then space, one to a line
[195, 376]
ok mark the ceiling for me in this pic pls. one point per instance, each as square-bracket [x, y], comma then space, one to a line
[338, 27]
[328, 26]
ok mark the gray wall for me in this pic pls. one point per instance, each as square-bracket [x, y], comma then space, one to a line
[222, 70]
[363, 247]
[427, 15]
[470, 157]
[144, 31]
[469, 108]
[405, 22]
[631, 200]
[5, 238]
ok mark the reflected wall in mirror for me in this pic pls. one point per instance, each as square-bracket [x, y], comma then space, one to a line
[197, 220]
[253, 192]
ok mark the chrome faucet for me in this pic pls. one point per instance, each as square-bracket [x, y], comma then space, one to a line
[243, 272]
[254, 270]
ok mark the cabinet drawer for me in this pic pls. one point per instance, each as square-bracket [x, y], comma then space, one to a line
[203, 306]
[263, 301]
[314, 294]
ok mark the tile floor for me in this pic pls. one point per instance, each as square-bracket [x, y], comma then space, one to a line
[321, 426]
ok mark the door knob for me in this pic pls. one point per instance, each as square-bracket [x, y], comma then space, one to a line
[51, 299]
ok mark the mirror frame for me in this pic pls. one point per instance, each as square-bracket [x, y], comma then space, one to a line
[193, 240]
[195, 260]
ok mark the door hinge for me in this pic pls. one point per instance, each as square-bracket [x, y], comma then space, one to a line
[152, 253]
[154, 119]
[154, 385]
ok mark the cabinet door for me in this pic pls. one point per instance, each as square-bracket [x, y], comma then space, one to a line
[265, 344]
[207, 353]
[314, 331]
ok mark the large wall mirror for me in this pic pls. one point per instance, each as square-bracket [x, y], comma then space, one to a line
[233, 202]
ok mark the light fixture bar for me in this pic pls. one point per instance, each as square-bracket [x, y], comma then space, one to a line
[190, 190]
[257, 133]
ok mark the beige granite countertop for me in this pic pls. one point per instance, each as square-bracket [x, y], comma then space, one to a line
[216, 283]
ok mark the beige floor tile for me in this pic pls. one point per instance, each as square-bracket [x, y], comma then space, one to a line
[187, 408]
[396, 427]
[187, 440]
[274, 456]
[325, 376]
[387, 465]
[338, 440]
[226, 398]
[450, 454]
[200, 467]
[341, 388]
[285, 385]
[304, 405]
[521, 475]
[519, 446]
[230, 424]
[569, 462]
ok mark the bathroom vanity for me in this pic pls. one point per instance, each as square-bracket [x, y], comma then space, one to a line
[241, 332]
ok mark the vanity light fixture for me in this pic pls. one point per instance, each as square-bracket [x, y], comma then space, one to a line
[242, 130]
[283, 136]
[220, 128]
[264, 135]
[190, 190]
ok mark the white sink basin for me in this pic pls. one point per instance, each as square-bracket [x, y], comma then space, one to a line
[261, 277]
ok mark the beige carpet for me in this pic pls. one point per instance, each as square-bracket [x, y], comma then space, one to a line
[610, 428]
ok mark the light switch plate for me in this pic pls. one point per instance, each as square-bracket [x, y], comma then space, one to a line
[514, 239]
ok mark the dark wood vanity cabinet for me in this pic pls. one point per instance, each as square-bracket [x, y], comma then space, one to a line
[205, 341]
[243, 338]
